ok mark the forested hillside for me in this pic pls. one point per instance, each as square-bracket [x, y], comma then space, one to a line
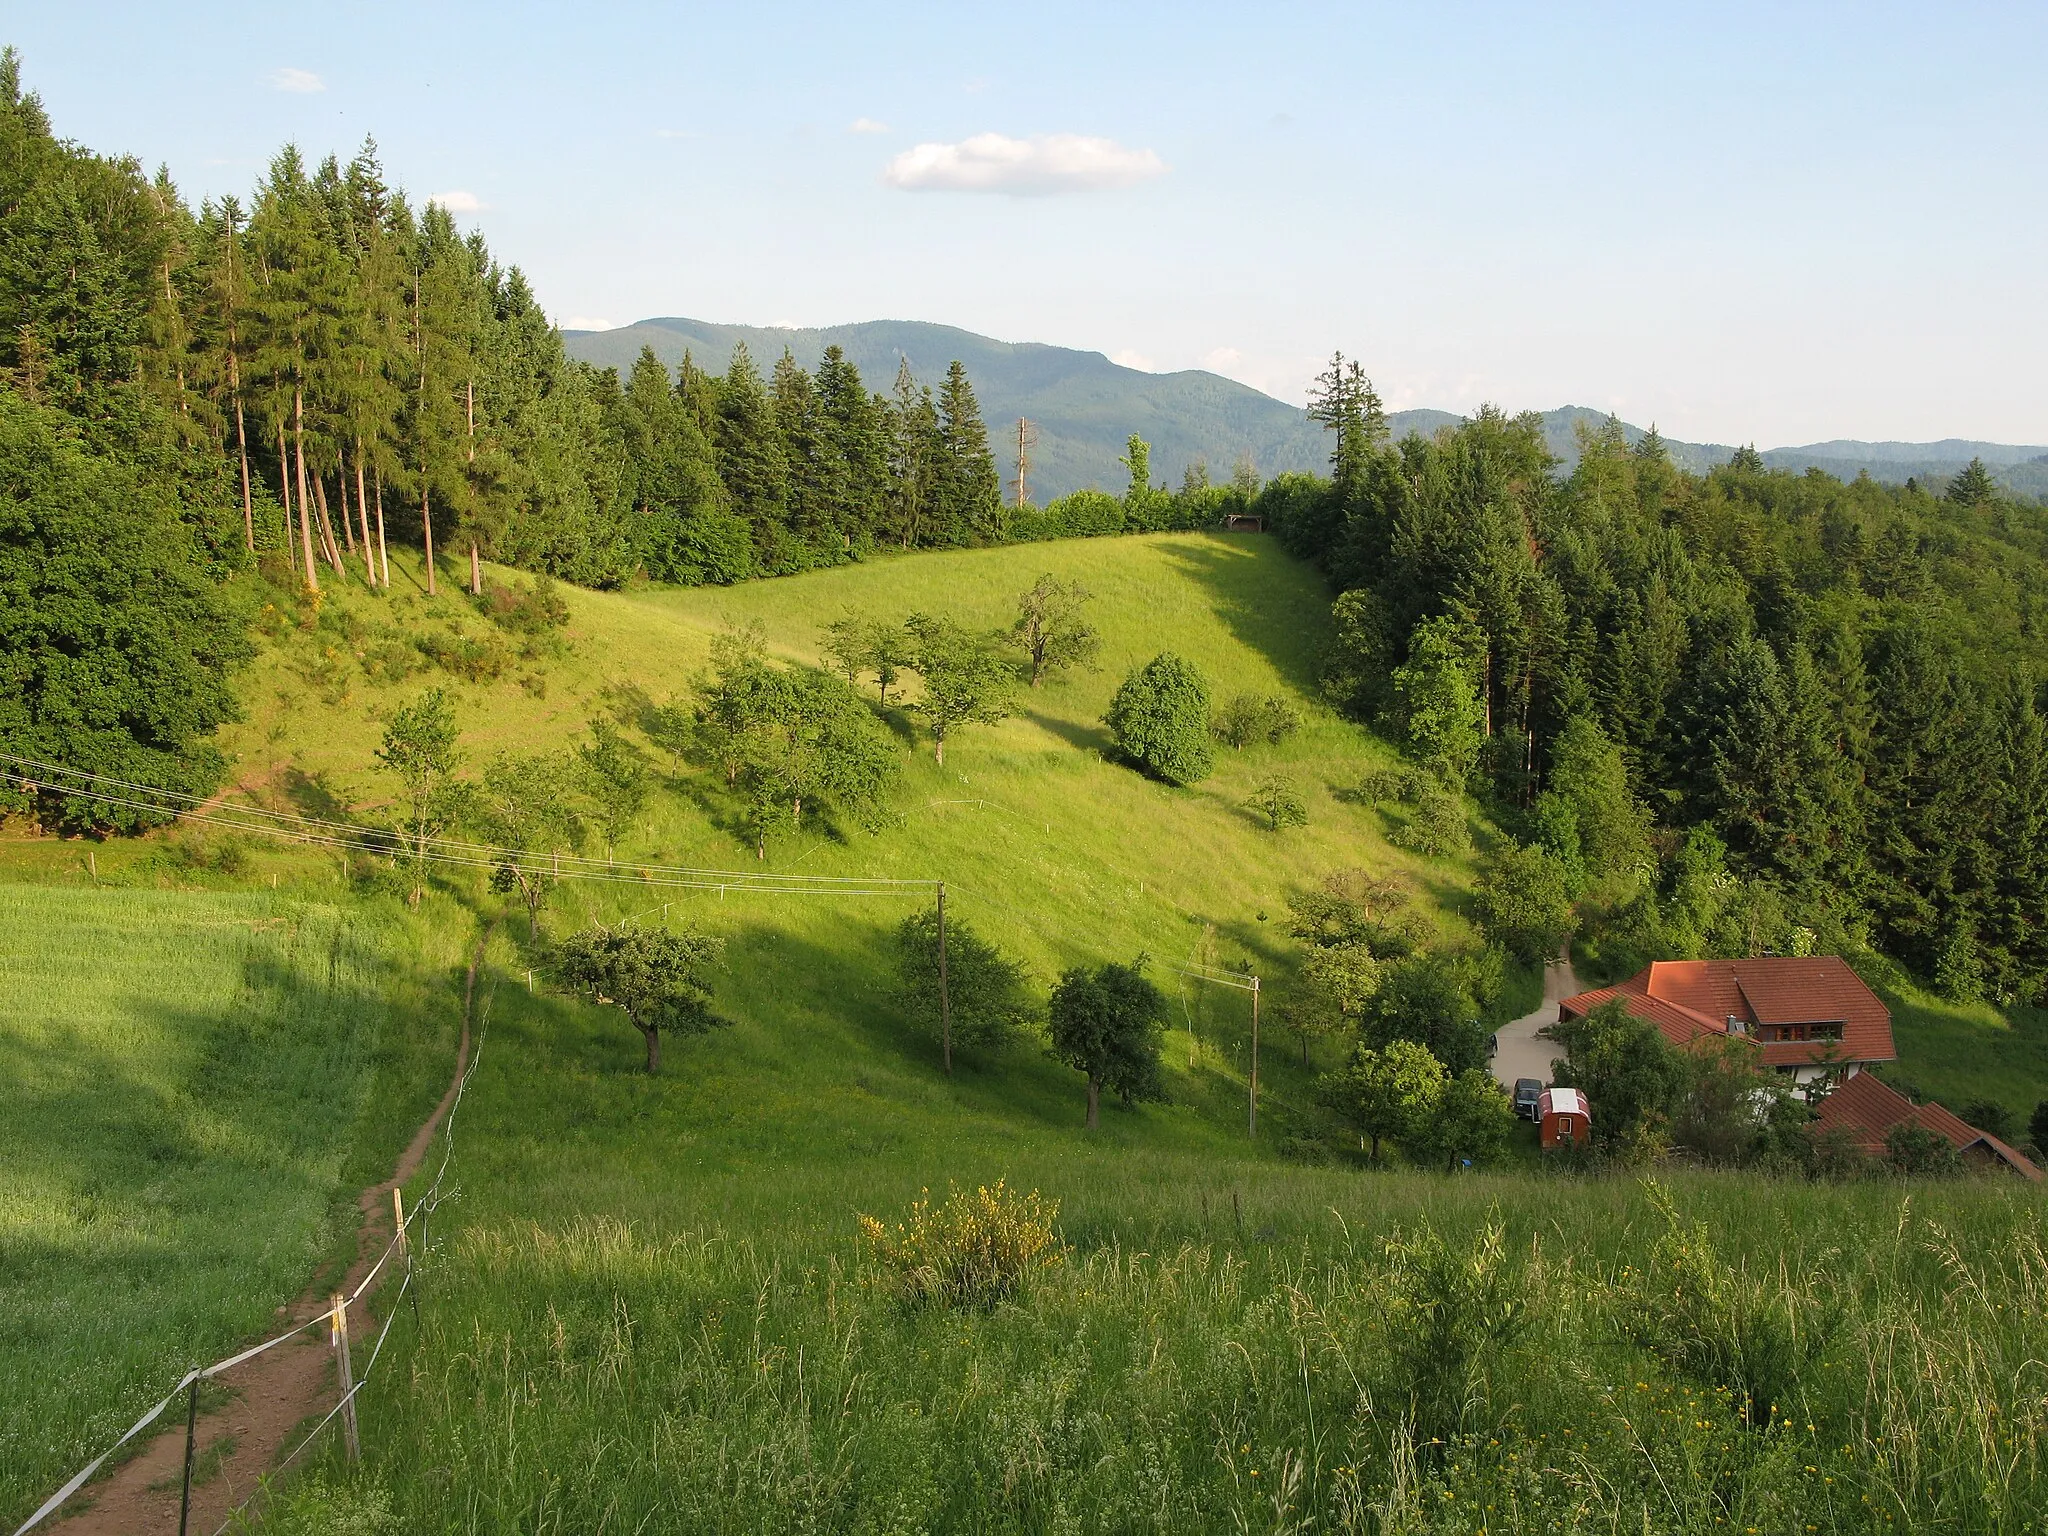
[1747, 711]
[1738, 710]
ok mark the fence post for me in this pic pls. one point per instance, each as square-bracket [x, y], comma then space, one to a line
[347, 1375]
[191, 1427]
[398, 1218]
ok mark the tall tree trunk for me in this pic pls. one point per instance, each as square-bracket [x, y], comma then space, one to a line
[939, 746]
[427, 529]
[383, 555]
[1094, 1099]
[469, 399]
[305, 514]
[284, 492]
[242, 447]
[653, 1050]
[476, 571]
[363, 512]
[327, 526]
[348, 524]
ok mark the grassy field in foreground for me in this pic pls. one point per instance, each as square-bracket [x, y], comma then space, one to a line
[193, 1081]
[651, 1310]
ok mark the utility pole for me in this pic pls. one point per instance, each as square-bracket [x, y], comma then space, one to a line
[1027, 439]
[945, 995]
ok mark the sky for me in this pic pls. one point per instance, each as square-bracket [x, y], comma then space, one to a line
[1746, 223]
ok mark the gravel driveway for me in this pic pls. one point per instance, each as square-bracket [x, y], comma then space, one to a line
[1521, 1054]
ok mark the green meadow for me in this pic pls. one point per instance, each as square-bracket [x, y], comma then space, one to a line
[649, 1306]
[196, 1084]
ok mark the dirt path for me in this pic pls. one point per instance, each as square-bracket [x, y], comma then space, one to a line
[276, 1392]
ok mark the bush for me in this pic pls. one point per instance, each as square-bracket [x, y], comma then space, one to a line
[1447, 1313]
[1160, 719]
[1437, 827]
[1749, 1334]
[532, 610]
[973, 1251]
[1251, 717]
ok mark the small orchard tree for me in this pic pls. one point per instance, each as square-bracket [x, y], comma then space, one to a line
[615, 775]
[659, 978]
[419, 746]
[1277, 800]
[1050, 628]
[1471, 1118]
[1107, 1023]
[989, 993]
[672, 727]
[1385, 1094]
[813, 743]
[1160, 719]
[864, 645]
[966, 682]
[730, 698]
[1427, 999]
[527, 809]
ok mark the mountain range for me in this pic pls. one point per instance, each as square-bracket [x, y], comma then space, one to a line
[1083, 407]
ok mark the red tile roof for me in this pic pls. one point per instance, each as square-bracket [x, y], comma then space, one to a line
[1689, 999]
[1865, 1110]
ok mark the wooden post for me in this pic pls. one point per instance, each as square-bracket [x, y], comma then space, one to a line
[945, 993]
[1255, 1059]
[346, 1369]
[398, 1217]
[191, 1428]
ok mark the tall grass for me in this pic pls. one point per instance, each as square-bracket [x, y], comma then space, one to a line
[653, 1309]
[189, 1083]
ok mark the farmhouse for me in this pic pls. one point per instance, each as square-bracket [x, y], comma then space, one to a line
[1864, 1111]
[1811, 1016]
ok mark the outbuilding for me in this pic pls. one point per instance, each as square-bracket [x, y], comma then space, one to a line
[1565, 1118]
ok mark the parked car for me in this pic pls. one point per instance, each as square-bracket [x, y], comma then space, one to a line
[1528, 1094]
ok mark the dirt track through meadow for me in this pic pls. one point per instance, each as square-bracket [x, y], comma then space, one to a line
[275, 1393]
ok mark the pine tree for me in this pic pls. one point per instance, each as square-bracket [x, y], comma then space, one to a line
[853, 451]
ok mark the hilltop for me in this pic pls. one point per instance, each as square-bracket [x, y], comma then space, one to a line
[1084, 407]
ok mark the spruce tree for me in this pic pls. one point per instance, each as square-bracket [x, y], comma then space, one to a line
[751, 463]
[967, 498]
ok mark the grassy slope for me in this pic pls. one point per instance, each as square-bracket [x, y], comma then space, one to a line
[1059, 854]
[195, 1080]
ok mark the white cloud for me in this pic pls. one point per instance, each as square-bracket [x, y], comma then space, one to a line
[1129, 359]
[1043, 163]
[459, 202]
[300, 82]
[866, 125]
[584, 323]
[1221, 359]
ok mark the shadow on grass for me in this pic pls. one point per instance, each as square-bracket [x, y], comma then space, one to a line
[1089, 738]
[1259, 597]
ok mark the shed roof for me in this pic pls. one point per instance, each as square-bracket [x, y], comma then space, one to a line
[1865, 1110]
[1564, 1101]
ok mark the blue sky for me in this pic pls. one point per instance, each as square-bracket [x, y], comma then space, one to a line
[1768, 223]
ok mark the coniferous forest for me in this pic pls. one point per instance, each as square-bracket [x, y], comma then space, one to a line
[1738, 712]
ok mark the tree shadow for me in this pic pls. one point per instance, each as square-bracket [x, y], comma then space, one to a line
[1089, 738]
[1259, 602]
[312, 794]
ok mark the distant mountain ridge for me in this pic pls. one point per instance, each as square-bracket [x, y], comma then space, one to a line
[1084, 407]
